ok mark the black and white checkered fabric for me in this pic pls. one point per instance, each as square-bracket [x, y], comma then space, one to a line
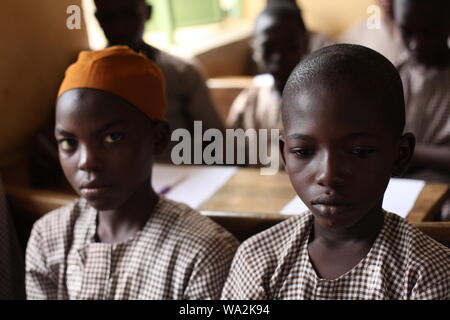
[179, 254]
[403, 263]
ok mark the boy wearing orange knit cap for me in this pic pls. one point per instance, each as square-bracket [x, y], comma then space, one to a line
[120, 240]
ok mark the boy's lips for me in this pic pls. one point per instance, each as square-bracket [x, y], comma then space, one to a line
[330, 201]
[93, 189]
[330, 205]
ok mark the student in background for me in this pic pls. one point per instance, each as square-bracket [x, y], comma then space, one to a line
[120, 240]
[188, 97]
[343, 115]
[12, 284]
[280, 41]
[385, 39]
[425, 72]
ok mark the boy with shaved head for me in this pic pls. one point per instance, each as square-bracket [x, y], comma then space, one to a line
[343, 117]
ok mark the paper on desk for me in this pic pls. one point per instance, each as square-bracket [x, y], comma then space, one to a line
[198, 183]
[399, 198]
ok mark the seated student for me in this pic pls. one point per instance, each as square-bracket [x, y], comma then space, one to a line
[425, 71]
[384, 38]
[12, 285]
[280, 40]
[188, 97]
[343, 116]
[120, 240]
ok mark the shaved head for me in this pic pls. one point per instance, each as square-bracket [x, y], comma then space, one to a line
[363, 74]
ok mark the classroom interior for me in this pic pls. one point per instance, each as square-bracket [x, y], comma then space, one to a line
[237, 197]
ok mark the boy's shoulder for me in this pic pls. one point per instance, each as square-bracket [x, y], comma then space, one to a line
[410, 237]
[64, 218]
[173, 66]
[420, 254]
[58, 230]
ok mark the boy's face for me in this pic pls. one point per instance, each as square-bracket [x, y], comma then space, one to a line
[106, 146]
[339, 154]
[424, 27]
[278, 46]
[123, 21]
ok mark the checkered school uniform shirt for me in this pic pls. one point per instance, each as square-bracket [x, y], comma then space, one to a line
[403, 263]
[179, 254]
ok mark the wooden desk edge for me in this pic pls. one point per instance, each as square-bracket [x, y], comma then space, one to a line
[424, 209]
[40, 202]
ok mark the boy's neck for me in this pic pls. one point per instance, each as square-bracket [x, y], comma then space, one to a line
[115, 226]
[366, 230]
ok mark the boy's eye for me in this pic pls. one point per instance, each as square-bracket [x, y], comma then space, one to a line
[67, 144]
[302, 153]
[113, 137]
[362, 152]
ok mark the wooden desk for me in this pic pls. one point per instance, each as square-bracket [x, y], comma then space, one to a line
[250, 192]
[246, 192]
[248, 203]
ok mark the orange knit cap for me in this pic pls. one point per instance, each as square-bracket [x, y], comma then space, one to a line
[123, 72]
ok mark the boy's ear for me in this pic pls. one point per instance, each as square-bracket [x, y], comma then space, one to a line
[405, 154]
[281, 144]
[160, 134]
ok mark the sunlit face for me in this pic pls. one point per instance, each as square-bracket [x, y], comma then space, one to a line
[339, 154]
[123, 21]
[278, 46]
[425, 29]
[106, 146]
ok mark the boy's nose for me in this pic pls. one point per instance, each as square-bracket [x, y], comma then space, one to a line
[88, 160]
[329, 171]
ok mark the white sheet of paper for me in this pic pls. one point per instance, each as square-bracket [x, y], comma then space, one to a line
[198, 183]
[399, 198]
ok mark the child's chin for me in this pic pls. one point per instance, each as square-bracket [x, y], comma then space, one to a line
[101, 205]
